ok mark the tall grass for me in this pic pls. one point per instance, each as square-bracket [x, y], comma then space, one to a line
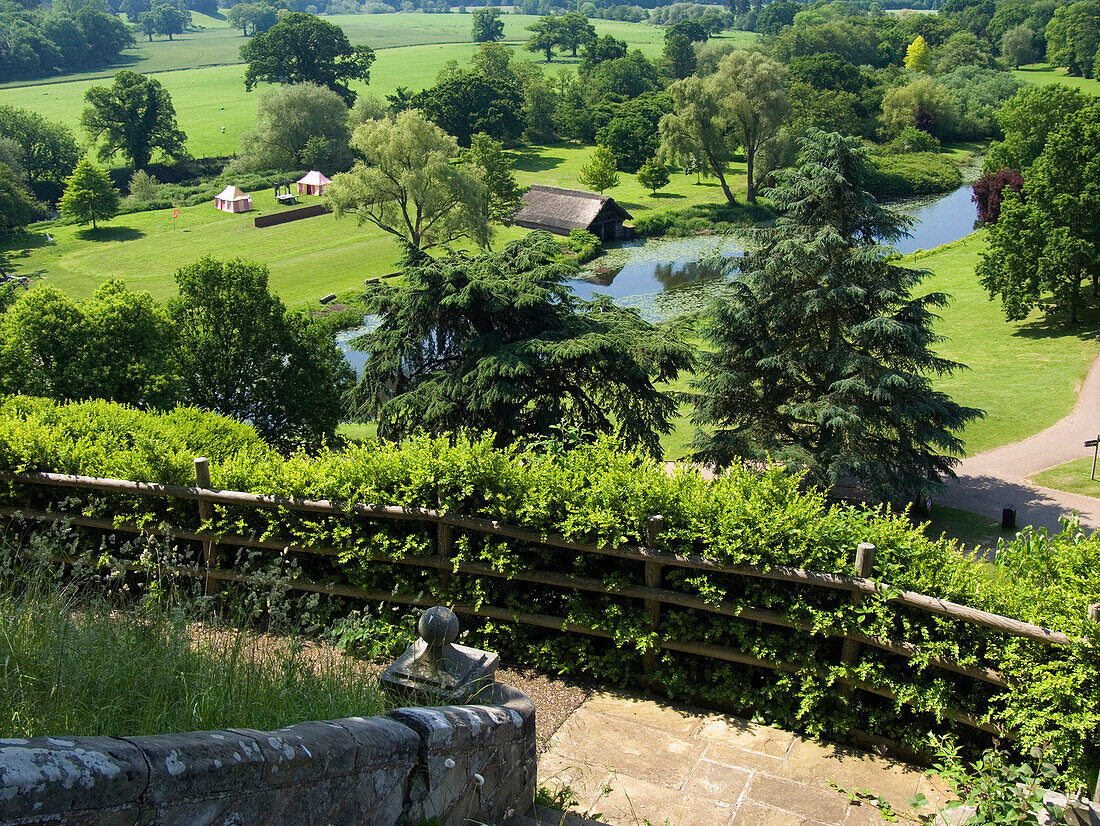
[79, 662]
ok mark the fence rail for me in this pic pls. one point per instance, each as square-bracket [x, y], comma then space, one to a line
[652, 594]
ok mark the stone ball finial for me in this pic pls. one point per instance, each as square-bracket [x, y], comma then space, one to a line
[438, 626]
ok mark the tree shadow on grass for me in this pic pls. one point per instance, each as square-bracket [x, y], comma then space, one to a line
[1055, 325]
[110, 234]
[666, 195]
[529, 160]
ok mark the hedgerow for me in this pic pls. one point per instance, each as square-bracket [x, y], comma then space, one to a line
[603, 493]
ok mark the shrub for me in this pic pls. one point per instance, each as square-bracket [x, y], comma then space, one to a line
[598, 492]
[704, 219]
[989, 192]
[911, 139]
[584, 245]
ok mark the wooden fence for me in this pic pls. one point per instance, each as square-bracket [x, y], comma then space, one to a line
[653, 594]
[290, 215]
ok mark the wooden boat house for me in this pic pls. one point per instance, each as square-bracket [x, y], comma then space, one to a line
[558, 210]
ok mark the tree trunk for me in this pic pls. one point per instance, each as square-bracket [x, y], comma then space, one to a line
[750, 192]
[1095, 293]
[725, 187]
[549, 53]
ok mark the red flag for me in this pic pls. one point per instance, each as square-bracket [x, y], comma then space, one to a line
[175, 213]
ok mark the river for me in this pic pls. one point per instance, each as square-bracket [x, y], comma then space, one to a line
[663, 278]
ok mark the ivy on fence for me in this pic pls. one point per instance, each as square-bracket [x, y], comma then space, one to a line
[829, 661]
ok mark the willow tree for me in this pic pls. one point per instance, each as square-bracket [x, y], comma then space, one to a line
[822, 355]
[699, 127]
[408, 186]
[498, 342]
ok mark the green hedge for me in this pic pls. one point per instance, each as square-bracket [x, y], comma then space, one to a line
[599, 492]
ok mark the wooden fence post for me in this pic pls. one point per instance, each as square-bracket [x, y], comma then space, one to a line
[865, 567]
[206, 512]
[653, 526]
[445, 544]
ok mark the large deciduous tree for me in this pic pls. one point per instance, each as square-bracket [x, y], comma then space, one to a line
[924, 103]
[49, 152]
[303, 48]
[468, 102]
[303, 126]
[752, 90]
[545, 38]
[1027, 119]
[241, 353]
[574, 31]
[1073, 35]
[134, 116]
[822, 356]
[1047, 239]
[699, 126]
[498, 342]
[259, 17]
[89, 195]
[17, 206]
[116, 345]
[487, 27]
[408, 186]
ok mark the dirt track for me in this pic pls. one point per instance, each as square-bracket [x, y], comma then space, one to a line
[996, 479]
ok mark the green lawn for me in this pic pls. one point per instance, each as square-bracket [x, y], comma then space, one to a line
[201, 70]
[215, 44]
[1023, 374]
[307, 258]
[1042, 74]
[560, 164]
[1072, 477]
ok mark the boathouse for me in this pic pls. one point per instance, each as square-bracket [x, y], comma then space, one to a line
[560, 210]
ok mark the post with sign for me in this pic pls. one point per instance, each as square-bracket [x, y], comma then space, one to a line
[1095, 445]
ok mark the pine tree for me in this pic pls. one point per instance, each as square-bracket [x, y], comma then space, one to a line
[822, 355]
[498, 342]
[599, 173]
[89, 195]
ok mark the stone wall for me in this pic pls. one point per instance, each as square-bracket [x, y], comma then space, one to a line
[452, 762]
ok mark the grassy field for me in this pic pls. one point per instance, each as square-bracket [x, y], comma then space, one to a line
[1025, 374]
[1042, 74]
[213, 43]
[1072, 477]
[307, 258]
[202, 72]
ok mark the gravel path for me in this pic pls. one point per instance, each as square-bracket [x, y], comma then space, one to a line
[996, 479]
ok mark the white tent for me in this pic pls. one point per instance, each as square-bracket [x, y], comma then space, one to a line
[313, 183]
[232, 199]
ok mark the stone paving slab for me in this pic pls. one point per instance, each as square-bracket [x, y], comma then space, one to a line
[634, 759]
